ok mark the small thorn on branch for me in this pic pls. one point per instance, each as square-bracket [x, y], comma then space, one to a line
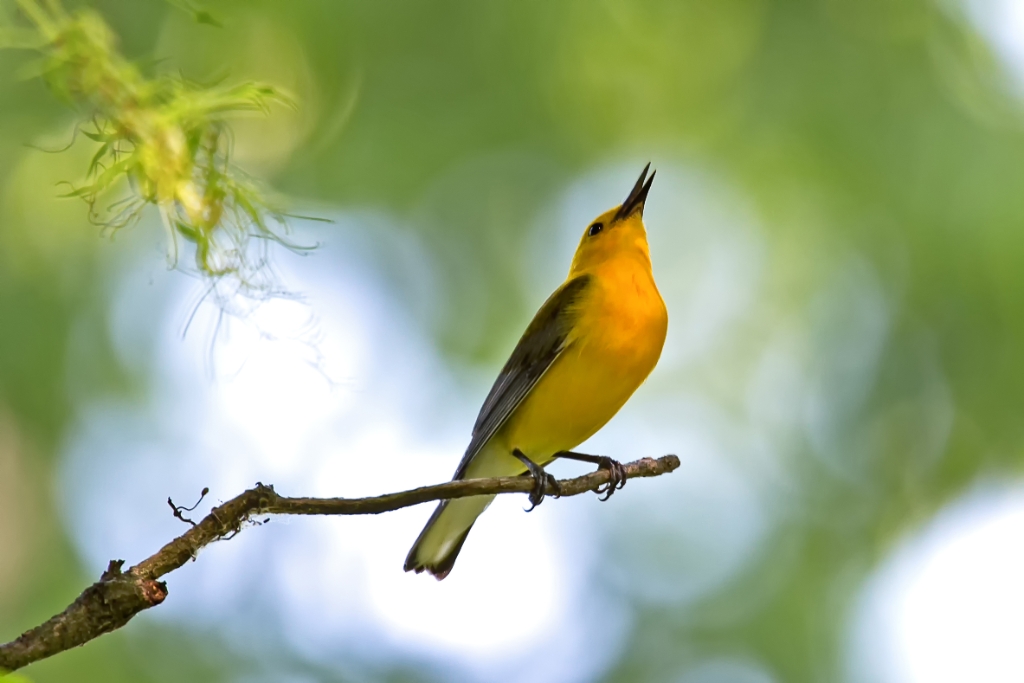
[113, 570]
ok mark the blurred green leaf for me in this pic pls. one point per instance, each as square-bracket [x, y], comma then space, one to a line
[200, 15]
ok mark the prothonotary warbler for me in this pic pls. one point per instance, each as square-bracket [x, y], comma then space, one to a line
[591, 344]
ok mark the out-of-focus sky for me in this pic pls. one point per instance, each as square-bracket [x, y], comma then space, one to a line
[836, 228]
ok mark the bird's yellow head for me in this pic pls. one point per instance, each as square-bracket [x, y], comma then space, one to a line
[616, 233]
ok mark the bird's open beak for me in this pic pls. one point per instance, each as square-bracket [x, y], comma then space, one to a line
[637, 196]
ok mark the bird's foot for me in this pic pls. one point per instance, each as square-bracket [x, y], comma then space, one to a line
[616, 471]
[543, 483]
[616, 477]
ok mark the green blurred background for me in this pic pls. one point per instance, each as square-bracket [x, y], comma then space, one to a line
[837, 224]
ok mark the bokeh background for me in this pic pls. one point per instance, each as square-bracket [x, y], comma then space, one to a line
[838, 230]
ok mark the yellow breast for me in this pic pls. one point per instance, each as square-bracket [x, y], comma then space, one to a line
[615, 344]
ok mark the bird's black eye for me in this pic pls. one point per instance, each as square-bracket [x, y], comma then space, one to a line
[594, 229]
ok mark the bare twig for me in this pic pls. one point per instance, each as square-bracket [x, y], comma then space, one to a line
[177, 510]
[111, 602]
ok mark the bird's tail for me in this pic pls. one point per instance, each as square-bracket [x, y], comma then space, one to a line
[441, 540]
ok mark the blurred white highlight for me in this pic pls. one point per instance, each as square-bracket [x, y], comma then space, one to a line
[948, 606]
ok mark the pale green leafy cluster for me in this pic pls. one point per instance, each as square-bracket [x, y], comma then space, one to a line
[164, 139]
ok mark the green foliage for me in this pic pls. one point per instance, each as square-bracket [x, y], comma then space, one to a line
[167, 139]
[199, 14]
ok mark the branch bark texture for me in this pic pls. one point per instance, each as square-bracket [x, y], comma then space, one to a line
[111, 602]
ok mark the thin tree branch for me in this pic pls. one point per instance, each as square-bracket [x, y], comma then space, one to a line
[111, 602]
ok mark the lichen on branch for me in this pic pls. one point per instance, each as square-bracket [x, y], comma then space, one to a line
[163, 141]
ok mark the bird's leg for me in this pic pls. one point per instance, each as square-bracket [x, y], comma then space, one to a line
[542, 481]
[616, 470]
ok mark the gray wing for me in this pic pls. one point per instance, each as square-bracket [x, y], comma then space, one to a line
[538, 348]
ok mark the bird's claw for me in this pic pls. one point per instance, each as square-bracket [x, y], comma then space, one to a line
[543, 485]
[616, 477]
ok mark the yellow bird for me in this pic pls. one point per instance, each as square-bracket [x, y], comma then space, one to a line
[589, 347]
